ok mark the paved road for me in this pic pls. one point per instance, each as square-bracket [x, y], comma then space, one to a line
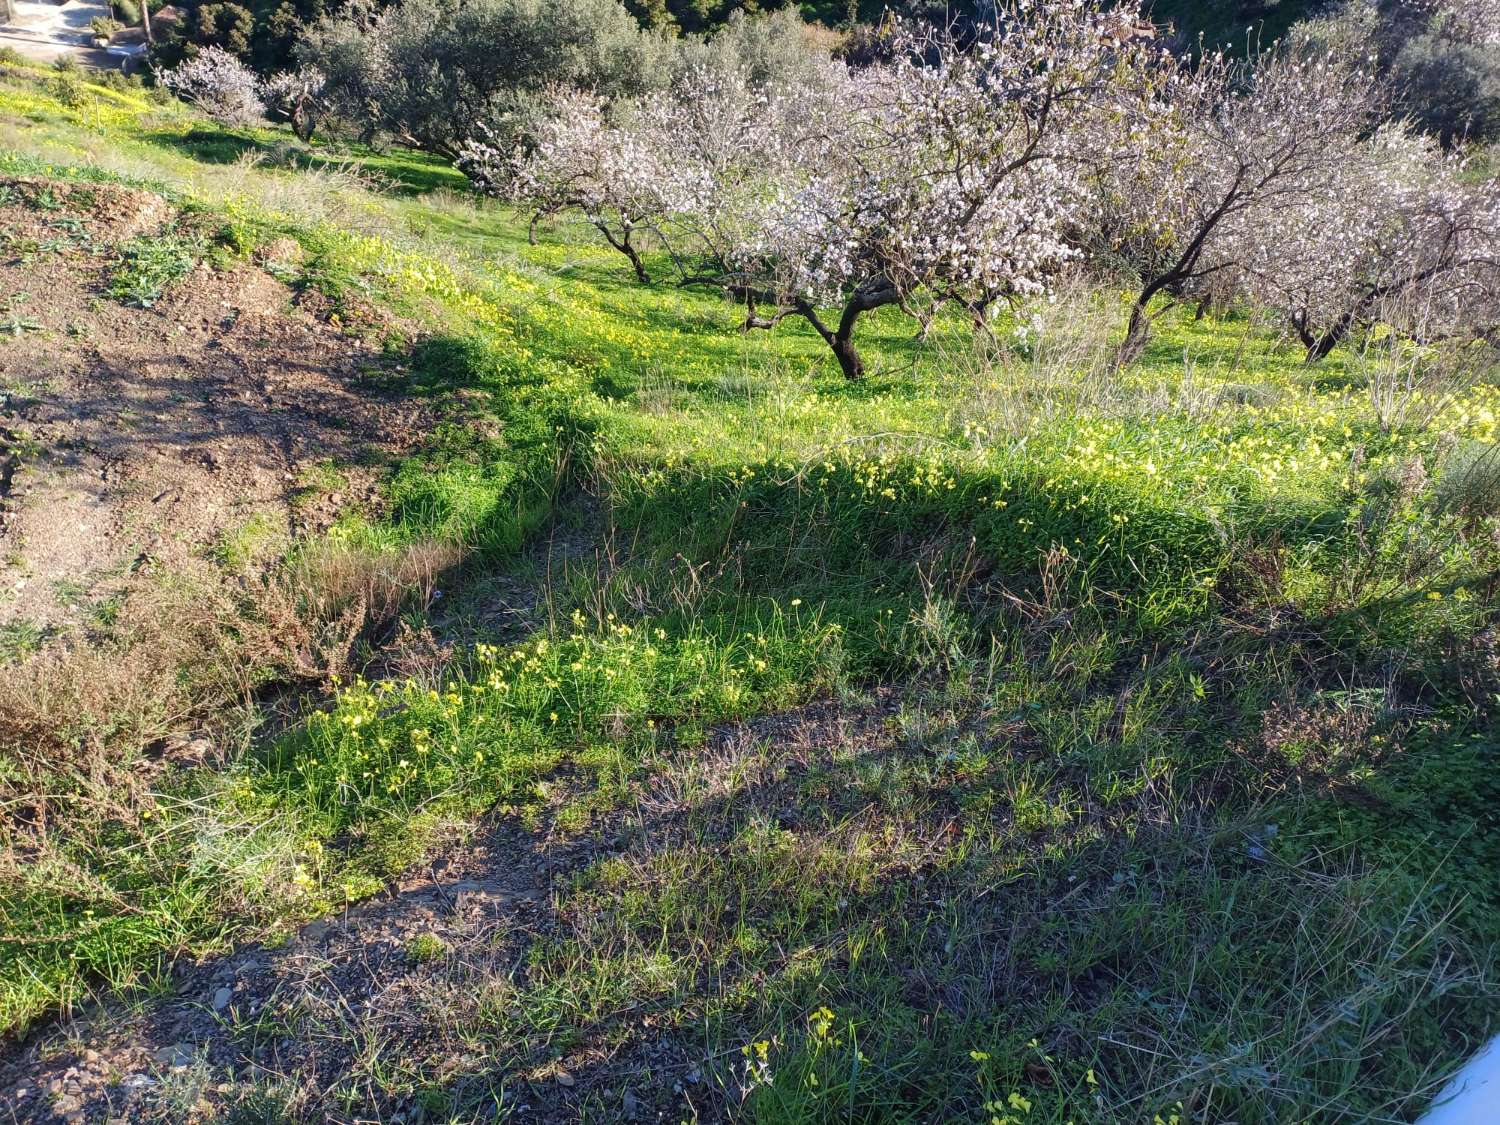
[44, 31]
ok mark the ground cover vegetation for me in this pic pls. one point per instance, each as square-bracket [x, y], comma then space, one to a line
[954, 588]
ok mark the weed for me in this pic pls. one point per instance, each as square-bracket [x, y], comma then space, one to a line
[426, 947]
[149, 265]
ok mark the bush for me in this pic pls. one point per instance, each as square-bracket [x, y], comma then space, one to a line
[224, 25]
[117, 81]
[1440, 57]
[1452, 89]
[129, 12]
[68, 89]
[428, 73]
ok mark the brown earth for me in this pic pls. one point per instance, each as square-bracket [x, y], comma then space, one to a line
[140, 436]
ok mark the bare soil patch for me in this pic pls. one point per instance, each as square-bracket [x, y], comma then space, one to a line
[139, 436]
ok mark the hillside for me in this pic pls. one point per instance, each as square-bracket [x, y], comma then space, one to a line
[446, 680]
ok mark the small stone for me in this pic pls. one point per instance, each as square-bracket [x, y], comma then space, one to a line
[222, 998]
[565, 1079]
[629, 1105]
[65, 1105]
[178, 1054]
[316, 931]
[693, 1076]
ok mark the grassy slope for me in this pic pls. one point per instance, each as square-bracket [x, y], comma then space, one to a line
[1185, 806]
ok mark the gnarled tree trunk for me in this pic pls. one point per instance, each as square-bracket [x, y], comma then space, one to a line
[624, 245]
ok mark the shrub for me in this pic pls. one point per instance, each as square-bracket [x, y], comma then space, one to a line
[1440, 56]
[1451, 88]
[224, 25]
[427, 72]
[68, 89]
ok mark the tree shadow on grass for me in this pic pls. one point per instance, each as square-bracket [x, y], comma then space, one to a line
[614, 972]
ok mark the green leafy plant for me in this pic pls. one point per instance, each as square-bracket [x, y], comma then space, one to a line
[148, 266]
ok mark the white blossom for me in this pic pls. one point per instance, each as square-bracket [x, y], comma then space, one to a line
[219, 84]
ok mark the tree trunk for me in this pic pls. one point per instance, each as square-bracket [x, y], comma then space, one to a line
[635, 262]
[841, 340]
[146, 20]
[1318, 347]
[1137, 335]
[626, 247]
[1318, 350]
[304, 120]
[848, 356]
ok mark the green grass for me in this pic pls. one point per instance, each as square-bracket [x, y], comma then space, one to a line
[1163, 785]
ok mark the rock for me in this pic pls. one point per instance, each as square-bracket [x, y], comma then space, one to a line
[65, 1105]
[565, 1079]
[628, 1104]
[178, 1054]
[222, 998]
[316, 931]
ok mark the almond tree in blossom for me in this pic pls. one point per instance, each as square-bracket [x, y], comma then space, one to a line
[219, 84]
[1243, 148]
[956, 178]
[1400, 232]
[581, 160]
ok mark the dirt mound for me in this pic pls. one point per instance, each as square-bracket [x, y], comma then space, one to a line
[108, 212]
[220, 416]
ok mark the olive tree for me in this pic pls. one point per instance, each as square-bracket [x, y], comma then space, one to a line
[431, 73]
[1440, 57]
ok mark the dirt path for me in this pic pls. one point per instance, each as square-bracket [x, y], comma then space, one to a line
[44, 31]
